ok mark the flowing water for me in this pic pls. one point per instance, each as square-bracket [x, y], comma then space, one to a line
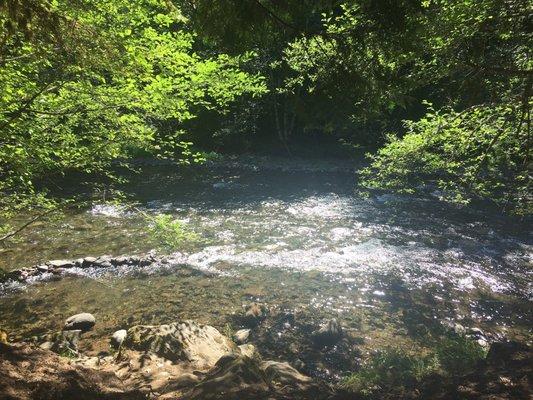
[293, 236]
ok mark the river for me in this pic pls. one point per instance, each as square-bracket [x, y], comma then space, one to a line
[292, 235]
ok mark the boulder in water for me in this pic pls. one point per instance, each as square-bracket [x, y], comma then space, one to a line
[254, 314]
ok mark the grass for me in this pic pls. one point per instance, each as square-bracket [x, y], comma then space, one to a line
[398, 370]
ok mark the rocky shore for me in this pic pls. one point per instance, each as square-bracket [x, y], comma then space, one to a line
[185, 359]
[181, 360]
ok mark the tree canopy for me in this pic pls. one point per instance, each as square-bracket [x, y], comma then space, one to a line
[443, 87]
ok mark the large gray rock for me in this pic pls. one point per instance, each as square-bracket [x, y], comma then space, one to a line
[83, 322]
[200, 345]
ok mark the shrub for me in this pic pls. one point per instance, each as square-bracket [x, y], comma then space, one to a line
[480, 153]
[170, 233]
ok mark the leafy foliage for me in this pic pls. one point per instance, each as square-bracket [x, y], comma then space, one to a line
[116, 73]
[169, 233]
[478, 153]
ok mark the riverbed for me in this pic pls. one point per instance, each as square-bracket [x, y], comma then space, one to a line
[297, 237]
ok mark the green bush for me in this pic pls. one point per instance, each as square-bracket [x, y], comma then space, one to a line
[169, 233]
[475, 154]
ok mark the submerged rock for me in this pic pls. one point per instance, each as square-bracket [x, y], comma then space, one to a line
[241, 336]
[328, 334]
[247, 350]
[83, 321]
[118, 337]
[254, 314]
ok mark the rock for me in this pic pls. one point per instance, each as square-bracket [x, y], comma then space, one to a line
[199, 345]
[61, 263]
[118, 337]
[241, 336]
[28, 374]
[244, 378]
[103, 262]
[83, 322]
[65, 342]
[88, 262]
[254, 314]
[233, 378]
[328, 334]
[120, 261]
[247, 350]
[42, 268]
[283, 373]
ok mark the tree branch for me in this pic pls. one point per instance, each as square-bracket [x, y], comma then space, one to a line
[22, 227]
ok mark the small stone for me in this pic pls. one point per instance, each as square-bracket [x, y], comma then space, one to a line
[247, 350]
[105, 264]
[120, 261]
[42, 268]
[83, 322]
[61, 264]
[255, 313]
[88, 262]
[328, 334]
[46, 345]
[3, 336]
[241, 336]
[118, 337]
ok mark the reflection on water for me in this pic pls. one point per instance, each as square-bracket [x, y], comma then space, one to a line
[297, 240]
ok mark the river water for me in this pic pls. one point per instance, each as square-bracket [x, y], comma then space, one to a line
[294, 236]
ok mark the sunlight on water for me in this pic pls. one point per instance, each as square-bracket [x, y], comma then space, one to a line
[297, 240]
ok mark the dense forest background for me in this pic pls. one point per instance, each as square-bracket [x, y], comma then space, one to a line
[437, 92]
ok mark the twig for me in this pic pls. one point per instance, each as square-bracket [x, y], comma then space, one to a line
[13, 233]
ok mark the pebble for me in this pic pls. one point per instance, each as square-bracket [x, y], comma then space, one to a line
[241, 336]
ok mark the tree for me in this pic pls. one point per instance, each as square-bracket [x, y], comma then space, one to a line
[101, 85]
